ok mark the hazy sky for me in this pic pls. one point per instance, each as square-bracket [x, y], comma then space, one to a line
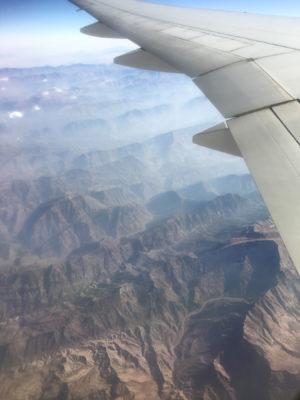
[40, 32]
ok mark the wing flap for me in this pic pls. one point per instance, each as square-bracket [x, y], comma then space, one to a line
[241, 87]
[273, 157]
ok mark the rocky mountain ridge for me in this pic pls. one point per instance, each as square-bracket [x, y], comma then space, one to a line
[134, 265]
[155, 322]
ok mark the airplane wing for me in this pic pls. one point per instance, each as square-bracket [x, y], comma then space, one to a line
[247, 65]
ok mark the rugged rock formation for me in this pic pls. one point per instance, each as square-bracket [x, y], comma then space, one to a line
[123, 319]
[129, 269]
[60, 226]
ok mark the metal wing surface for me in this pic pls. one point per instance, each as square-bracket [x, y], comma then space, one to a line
[247, 65]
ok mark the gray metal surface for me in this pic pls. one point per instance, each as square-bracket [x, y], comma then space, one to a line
[100, 30]
[272, 156]
[240, 88]
[280, 31]
[142, 59]
[285, 70]
[289, 115]
[182, 33]
[218, 138]
[220, 42]
[260, 50]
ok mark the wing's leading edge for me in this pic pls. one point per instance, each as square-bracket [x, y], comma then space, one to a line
[248, 67]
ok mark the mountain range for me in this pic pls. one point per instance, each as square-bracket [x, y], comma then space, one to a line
[134, 265]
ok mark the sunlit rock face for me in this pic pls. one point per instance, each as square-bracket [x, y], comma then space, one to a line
[139, 270]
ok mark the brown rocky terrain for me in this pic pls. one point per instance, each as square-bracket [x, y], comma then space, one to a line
[134, 269]
[185, 309]
[107, 294]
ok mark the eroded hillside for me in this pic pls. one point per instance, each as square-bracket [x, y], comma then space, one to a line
[145, 270]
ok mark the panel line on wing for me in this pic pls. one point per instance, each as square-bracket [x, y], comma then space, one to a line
[240, 88]
[205, 30]
[217, 69]
[286, 127]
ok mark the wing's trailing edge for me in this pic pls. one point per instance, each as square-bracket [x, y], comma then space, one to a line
[272, 155]
[248, 67]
